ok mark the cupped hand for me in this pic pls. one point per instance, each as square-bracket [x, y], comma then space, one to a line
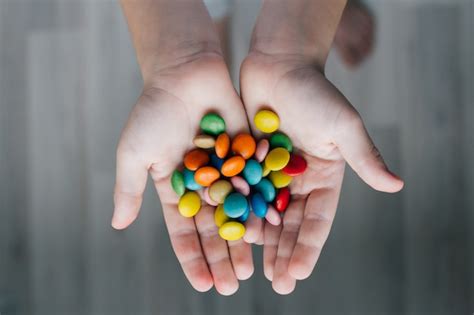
[158, 133]
[327, 131]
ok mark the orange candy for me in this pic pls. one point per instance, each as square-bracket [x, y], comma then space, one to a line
[195, 159]
[233, 166]
[222, 145]
[244, 145]
[206, 175]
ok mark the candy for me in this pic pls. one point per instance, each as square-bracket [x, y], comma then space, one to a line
[195, 159]
[265, 170]
[244, 145]
[282, 199]
[222, 145]
[233, 166]
[212, 124]
[259, 206]
[235, 205]
[219, 190]
[266, 121]
[252, 172]
[280, 179]
[246, 214]
[262, 149]
[177, 183]
[204, 141]
[272, 216]
[296, 166]
[189, 181]
[216, 161]
[208, 198]
[189, 204]
[277, 159]
[240, 185]
[232, 231]
[280, 140]
[206, 175]
[219, 216]
[266, 189]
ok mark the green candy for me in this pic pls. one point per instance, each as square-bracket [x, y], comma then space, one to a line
[177, 182]
[212, 124]
[280, 140]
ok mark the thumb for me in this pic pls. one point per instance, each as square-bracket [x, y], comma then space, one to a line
[358, 149]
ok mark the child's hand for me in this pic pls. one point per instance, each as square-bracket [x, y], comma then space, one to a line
[159, 132]
[328, 131]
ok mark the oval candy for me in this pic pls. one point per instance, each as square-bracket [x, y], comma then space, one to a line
[243, 218]
[204, 141]
[280, 179]
[280, 140]
[233, 166]
[222, 145]
[208, 198]
[189, 181]
[296, 166]
[235, 205]
[252, 172]
[262, 150]
[206, 175]
[277, 159]
[240, 185]
[219, 216]
[244, 145]
[272, 216]
[266, 121]
[282, 199]
[177, 183]
[219, 190]
[259, 206]
[232, 231]
[265, 170]
[216, 162]
[212, 124]
[266, 189]
[189, 204]
[195, 159]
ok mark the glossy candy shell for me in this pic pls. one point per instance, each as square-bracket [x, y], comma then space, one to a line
[280, 179]
[263, 146]
[204, 141]
[206, 175]
[296, 166]
[232, 231]
[219, 190]
[212, 124]
[177, 182]
[282, 199]
[219, 216]
[259, 206]
[266, 121]
[277, 159]
[252, 172]
[195, 159]
[280, 140]
[189, 204]
[189, 181]
[233, 166]
[235, 205]
[222, 145]
[244, 145]
[266, 189]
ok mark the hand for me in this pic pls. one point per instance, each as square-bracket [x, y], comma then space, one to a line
[327, 131]
[158, 133]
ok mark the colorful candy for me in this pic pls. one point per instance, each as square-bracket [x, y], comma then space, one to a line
[240, 185]
[296, 166]
[266, 189]
[282, 199]
[233, 166]
[280, 179]
[277, 159]
[244, 145]
[189, 204]
[219, 190]
[232, 231]
[195, 159]
[262, 149]
[280, 140]
[222, 145]
[206, 175]
[266, 121]
[259, 206]
[212, 124]
[189, 181]
[177, 182]
[252, 172]
[235, 205]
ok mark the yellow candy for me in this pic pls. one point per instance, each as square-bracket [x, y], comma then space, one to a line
[189, 204]
[219, 216]
[266, 121]
[266, 170]
[280, 179]
[232, 231]
[277, 159]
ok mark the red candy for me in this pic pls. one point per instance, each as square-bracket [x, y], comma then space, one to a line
[282, 199]
[296, 166]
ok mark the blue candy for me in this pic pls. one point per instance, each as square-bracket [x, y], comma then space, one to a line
[259, 206]
[235, 205]
[252, 172]
[266, 188]
[245, 216]
[216, 161]
[189, 181]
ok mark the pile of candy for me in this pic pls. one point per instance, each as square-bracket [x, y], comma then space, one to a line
[238, 175]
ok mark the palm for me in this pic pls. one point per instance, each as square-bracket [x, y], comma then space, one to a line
[159, 131]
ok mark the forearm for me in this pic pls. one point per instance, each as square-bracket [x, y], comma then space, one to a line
[168, 32]
[298, 27]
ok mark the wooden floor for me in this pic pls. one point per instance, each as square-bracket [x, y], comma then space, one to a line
[68, 78]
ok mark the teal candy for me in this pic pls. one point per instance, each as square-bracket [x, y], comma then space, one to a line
[266, 189]
[259, 206]
[212, 124]
[246, 214]
[252, 172]
[177, 182]
[235, 205]
[189, 181]
[280, 140]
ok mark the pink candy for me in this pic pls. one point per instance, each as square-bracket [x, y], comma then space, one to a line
[273, 216]
[208, 198]
[262, 149]
[240, 185]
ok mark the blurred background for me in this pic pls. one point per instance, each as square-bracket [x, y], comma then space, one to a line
[68, 79]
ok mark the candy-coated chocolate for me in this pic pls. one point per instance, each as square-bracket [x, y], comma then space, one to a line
[266, 189]
[219, 216]
[222, 145]
[219, 190]
[177, 183]
[243, 218]
[277, 159]
[265, 170]
[266, 121]
[195, 159]
[252, 172]
[262, 150]
[233, 166]
[235, 205]
[212, 124]
[296, 166]
[204, 141]
[189, 181]
[206, 175]
[244, 145]
[282, 199]
[189, 204]
[280, 140]
[208, 198]
[280, 179]
[259, 206]
[240, 185]
[273, 216]
[216, 162]
[232, 231]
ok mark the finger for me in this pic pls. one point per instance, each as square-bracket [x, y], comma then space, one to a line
[319, 214]
[241, 257]
[283, 282]
[131, 176]
[253, 228]
[357, 147]
[270, 247]
[216, 252]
